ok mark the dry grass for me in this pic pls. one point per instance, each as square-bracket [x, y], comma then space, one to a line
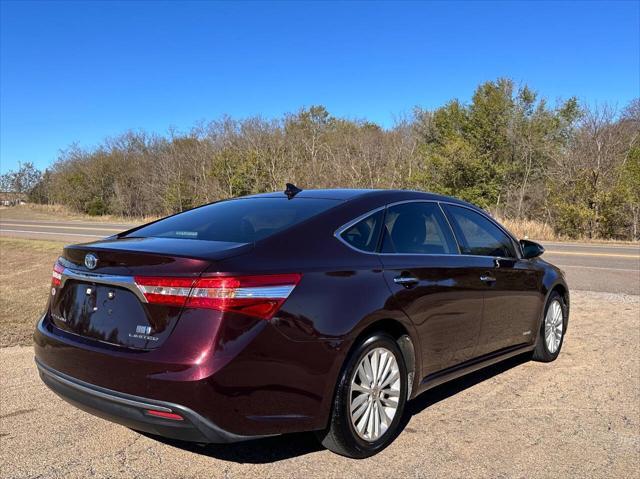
[59, 212]
[25, 276]
[539, 231]
[531, 229]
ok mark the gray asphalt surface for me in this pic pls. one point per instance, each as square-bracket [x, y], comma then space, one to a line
[589, 267]
[69, 231]
[597, 267]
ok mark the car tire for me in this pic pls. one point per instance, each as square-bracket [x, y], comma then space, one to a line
[552, 329]
[350, 432]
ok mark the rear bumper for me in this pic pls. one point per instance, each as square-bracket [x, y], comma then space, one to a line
[130, 411]
[226, 381]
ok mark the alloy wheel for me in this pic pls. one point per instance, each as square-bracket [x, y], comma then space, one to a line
[553, 326]
[374, 393]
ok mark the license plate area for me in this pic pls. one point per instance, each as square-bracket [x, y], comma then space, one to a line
[107, 313]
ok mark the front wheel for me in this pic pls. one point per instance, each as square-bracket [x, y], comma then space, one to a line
[552, 329]
[370, 399]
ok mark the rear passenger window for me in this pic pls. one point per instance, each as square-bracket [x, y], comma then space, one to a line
[478, 235]
[417, 228]
[364, 235]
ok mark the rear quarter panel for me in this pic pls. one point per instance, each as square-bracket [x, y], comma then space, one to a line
[341, 293]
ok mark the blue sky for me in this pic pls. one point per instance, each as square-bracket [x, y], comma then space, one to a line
[83, 71]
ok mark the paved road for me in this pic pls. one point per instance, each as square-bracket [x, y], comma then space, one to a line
[70, 231]
[589, 267]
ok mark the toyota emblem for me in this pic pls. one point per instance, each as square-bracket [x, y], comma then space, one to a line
[91, 261]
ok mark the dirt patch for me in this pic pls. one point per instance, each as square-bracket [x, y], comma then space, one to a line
[576, 417]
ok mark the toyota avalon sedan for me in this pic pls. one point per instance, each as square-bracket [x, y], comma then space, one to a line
[314, 310]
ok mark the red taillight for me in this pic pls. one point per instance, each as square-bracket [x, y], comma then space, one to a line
[56, 275]
[161, 290]
[259, 296]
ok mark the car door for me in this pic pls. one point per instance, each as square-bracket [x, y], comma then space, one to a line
[512, 297]
[432, 283]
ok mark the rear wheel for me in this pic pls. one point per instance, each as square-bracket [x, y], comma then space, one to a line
[551, 334]
[370, 399]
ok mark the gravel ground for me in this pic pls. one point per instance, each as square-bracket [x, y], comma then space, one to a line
[576, 417]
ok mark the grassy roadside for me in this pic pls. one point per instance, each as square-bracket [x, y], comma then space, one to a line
[25, 276]
[538, 231]
[59, 212]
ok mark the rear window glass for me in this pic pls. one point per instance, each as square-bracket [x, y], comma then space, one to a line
[238, 221]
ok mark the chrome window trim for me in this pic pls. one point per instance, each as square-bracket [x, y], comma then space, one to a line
[338, 233]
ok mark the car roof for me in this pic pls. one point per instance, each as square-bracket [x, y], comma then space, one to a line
[344, 194]
[328, 194]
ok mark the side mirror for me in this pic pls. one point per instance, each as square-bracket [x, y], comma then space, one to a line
[531, 249]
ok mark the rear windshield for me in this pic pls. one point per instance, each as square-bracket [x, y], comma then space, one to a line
[239, 221]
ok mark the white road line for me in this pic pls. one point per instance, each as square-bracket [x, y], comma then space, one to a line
[597, 267]
[51, 233]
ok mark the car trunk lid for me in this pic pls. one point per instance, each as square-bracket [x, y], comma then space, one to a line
[103, 302]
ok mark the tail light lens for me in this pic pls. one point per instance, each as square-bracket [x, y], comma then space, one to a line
[56, 275]
[259, 296]
[162, 290]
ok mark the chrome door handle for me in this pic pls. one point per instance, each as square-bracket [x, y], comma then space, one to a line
[406, 281]
[485, 278]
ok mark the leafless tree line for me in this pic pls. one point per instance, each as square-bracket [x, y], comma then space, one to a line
[575, 168]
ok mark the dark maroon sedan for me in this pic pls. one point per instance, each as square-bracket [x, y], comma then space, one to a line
[319, 310]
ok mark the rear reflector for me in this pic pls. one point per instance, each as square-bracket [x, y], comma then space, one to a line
[56, 275]
[164, 415]
[259, 296]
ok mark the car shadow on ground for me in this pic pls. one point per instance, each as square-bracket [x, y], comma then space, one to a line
[446, 390]
[273, 449]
